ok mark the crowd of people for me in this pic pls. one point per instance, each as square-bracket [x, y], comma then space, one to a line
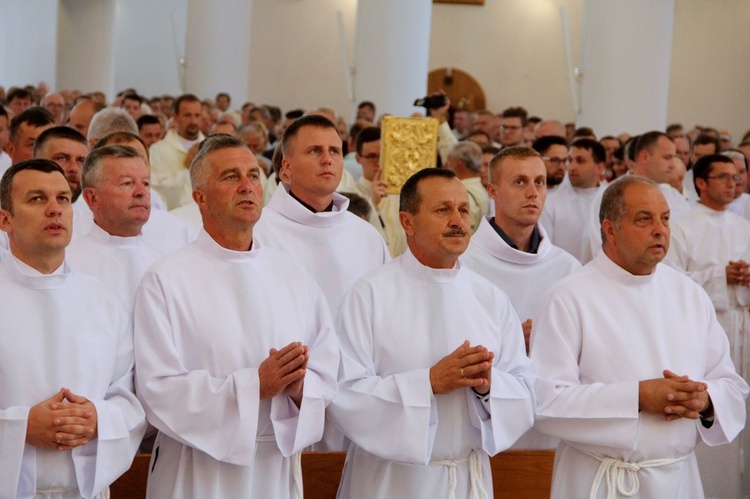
[227, 286]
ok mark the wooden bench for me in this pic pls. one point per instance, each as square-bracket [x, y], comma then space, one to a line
[519, 474]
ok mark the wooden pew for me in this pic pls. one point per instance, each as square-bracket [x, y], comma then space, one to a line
[518, 474]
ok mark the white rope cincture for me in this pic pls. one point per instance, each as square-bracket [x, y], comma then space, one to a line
[475, 475]
[615, 471]
[295, 465]
[296, 461]
[104, 494]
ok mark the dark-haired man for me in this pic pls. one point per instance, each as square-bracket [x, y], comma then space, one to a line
[554, 152]
[70, 421]
[442, 361]
[512, 122]
[566, 216]
[712, 246]
[169, 174]
[24, 129]
[150, 129]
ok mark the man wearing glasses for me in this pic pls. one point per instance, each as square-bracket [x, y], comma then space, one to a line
[712, 246]
[554, 152]
[512, 122]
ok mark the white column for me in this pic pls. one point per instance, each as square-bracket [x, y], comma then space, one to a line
[85, 45]
[217, 49]
[626, 56]
[27, 42]
[392, 53]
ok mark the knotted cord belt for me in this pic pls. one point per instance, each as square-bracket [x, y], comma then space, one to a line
[475, 474]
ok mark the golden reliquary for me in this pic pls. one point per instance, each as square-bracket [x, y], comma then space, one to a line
[407, 145]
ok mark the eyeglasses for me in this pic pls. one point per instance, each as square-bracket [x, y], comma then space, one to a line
[556, 161]
[724, 177]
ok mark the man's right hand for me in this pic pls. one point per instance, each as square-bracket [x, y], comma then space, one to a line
[738, 273]
[281, 368]
[43, 428]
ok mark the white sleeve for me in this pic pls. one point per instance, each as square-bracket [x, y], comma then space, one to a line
[596, 413]
[195, 408]
[365, 399]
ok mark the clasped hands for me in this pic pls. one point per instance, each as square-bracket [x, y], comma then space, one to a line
[284, 371]
[465, 367]
[63, 422]
[674, 396]
[738, 273]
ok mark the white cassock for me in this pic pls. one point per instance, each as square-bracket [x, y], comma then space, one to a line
[395, 324]
[678, 208]
[703, 243]
[479, 201]
[190, 214]
[119, 262]
[601, 331]
[163, 231]
[205, 319]
[64, 330]
[525, 277]
[336, 247]
[741, 206]
[566, 217]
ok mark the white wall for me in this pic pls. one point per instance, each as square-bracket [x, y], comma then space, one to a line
[514, 48]
[295, 55]
[710, 75]
[28, 41]
[149, 39]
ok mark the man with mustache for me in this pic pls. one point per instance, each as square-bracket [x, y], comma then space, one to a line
[712, 246]
[170, 176]
[634, 369]
[434, 375]
[70, 421]
[568, 208]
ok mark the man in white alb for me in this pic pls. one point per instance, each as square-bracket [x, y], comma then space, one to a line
[235, 347]
[653, 152]
[167, 156]
[434, 375]
[308, 220]
[69, 419]
[116, 186]
[634, 369]
[712, 246]
[568, 209]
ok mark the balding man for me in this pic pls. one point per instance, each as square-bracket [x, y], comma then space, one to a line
[55, 104]
[465, 159]
[634, 369]
[82, 113]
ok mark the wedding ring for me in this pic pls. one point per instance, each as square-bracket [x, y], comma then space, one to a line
[462, 372]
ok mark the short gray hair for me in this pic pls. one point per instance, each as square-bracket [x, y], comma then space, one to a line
[613, 201]
[92, 167]
[110, 120]
[198, 168]
[470, 153]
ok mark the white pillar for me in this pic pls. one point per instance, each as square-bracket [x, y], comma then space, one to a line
[85, 45]
[27, 42]
[626, 57]
[217, 49]
[392, 53]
